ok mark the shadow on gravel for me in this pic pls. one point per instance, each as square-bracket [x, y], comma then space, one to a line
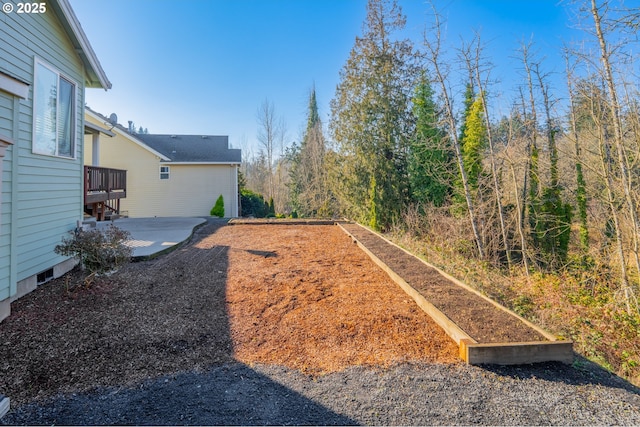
[155, 350]
[582, 372]
[228, 395]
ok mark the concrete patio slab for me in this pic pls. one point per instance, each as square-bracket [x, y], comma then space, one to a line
[152, 236]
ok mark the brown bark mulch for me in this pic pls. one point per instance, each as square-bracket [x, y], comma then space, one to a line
[474, 315]
[303, 297]
[319, 303]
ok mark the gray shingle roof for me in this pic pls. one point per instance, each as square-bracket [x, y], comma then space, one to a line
[193, 148]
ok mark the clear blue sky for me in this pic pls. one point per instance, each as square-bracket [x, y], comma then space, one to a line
[205, 66]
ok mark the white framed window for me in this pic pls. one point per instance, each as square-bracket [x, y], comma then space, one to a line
[164, 172]
[54, 108]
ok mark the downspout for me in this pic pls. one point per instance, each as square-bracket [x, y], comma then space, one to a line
[4, 143]
[235, 191]
[19, 90]
[13, 251]
[5, 304]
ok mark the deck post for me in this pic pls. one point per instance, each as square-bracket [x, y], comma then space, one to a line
[95, 149]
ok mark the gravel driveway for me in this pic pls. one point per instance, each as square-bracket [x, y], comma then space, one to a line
[407, 394]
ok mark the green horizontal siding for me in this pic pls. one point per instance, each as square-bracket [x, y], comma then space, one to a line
[6, 113]
[43, 193]
[41, 35]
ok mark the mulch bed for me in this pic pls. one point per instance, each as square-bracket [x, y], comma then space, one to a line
[474, 315]
[316, 303]
[302, 296]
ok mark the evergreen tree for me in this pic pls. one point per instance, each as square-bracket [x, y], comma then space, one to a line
[553, 220]
[309, 188]
[474, 142]
[429, 158]
[371, 118]
[580, 119]
[218, 208]
[469, 96]
[242, 181]
[272, 208]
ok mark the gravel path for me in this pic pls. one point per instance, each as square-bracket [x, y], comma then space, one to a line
[407, 394]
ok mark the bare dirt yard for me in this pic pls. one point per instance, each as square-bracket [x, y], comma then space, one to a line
[268, 324]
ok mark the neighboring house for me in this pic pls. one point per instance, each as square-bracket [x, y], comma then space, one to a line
[168, 175]
[46, 62]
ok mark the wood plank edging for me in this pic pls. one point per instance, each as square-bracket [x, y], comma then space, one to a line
[544, 333]
[450, 328]
[280, 221]
[516, 353]
[470, 351]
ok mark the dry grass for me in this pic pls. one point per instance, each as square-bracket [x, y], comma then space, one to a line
[583, 306]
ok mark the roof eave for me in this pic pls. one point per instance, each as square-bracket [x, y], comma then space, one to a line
[127, 135]
[201, 163]
[96, 77]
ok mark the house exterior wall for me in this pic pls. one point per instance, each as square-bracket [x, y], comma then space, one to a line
[6, 130]
[191, 190]
[143, 172]
[41, 195]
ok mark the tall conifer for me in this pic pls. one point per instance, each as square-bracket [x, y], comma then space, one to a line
[371, 118]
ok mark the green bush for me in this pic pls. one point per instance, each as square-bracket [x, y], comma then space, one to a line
[98, 251]
[253, 204]
[218, 208]
[272, 208]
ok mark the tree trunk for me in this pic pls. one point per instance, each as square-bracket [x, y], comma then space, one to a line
[492, 159]
[606, 170]
[623, 165]
[531, 121]
[581, 191]
[434, 50]
[523, 239]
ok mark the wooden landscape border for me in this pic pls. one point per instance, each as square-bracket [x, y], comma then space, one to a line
[282, 221]
[471, 351]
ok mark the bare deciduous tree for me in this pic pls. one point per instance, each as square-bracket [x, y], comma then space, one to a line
[476, 70]
[271, 133]
[598, 13]
[438, 68]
